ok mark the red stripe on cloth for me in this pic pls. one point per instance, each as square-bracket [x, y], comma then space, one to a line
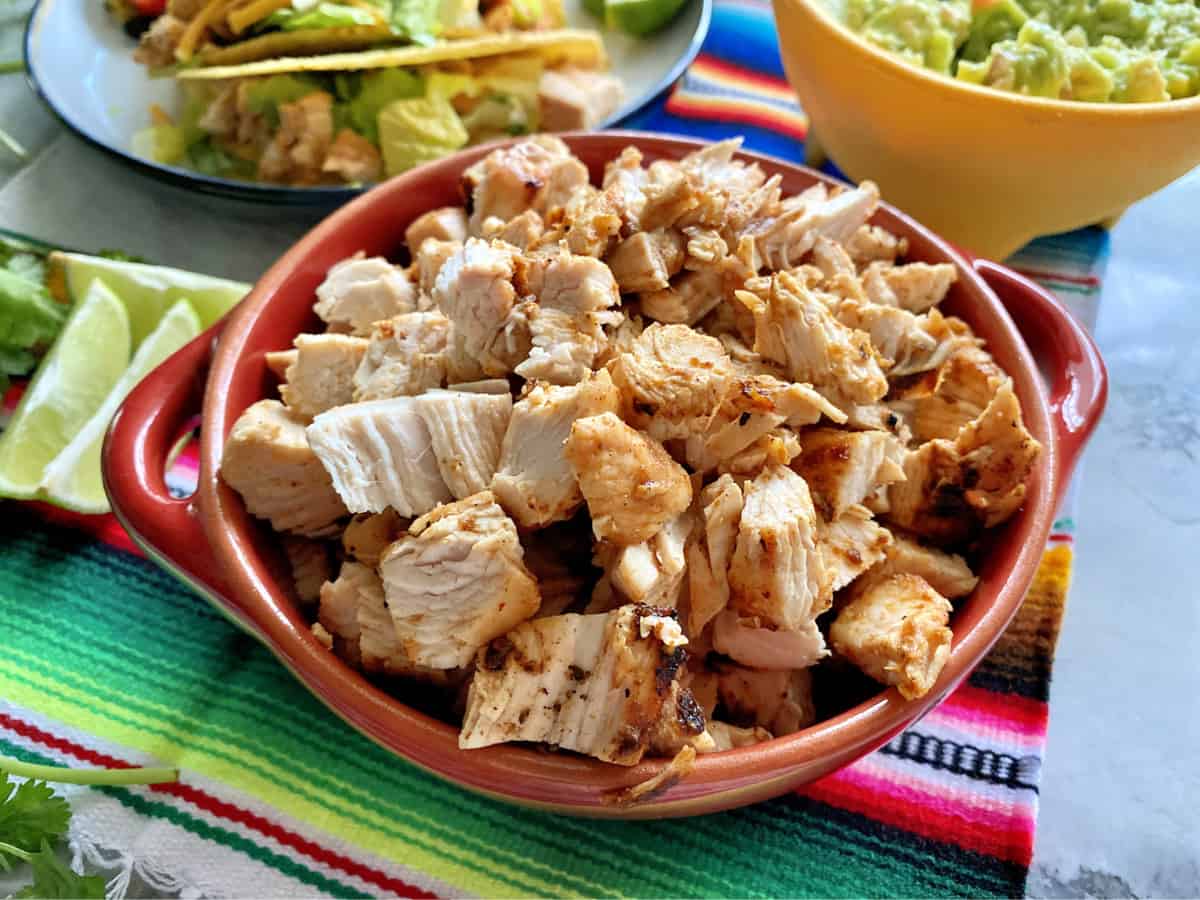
[1013, 710]
[730, 109]
[102, 528]
[1038, 275]
[734, 72]
[927, 819]
[224, 810]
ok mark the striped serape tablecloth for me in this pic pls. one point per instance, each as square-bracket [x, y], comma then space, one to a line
[108, 661]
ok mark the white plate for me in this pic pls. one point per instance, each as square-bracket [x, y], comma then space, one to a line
[79, 61]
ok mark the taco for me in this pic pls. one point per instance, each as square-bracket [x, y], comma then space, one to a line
[354, 118]
[185, 33]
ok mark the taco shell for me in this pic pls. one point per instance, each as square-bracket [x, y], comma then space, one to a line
[569, 46]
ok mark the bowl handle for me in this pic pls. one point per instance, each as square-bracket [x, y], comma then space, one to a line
[136, 450]
[1066, 353]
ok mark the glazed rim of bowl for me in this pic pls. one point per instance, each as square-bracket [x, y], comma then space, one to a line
[527, 774]
[908, 71]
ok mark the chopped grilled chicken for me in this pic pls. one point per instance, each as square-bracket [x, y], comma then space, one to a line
[534, 481]
[851, 544]
[953, 488]
[575, 299]
[592, 684]
[156, 47]
[631, 484]
[524, 232]
[446, 223]
[753, 644]
[947, 573]
[474, 290]
[513, 179]
[379, 454]
[730, 737]
[753, 408]
[671, 380]
[230, 116]
[915, 287]
[873, 244]
[593, 222]
[338, 610]
[777, 573]
[688, 299]
[727, 193]
[278, 362]
[322, 374]
[843, 467]
[777, 700]
[831, 258]
[466, 429]
[896, 632]
[909, 343]
[652, 572]
[681, 726]
[353, 611]
[368, 534]
[299, 146]
[964, 385]
[709, 555]
[311, 564]
[782, 240]
[358, 292]
[428, 260]
[353, 159]
[646, 261]
[406, 355]
[268, 461]
[778, 447]
[456, 581]
[794, 327]
[571, 99]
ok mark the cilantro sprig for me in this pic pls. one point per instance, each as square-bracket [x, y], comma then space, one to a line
[34, 819]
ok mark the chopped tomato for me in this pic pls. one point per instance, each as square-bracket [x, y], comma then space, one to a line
[150, 7]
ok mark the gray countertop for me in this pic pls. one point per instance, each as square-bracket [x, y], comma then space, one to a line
[1121, 781]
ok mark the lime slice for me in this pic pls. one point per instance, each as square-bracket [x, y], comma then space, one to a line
[148, 291]
[640, 17]
[73, 478]
[81, 368]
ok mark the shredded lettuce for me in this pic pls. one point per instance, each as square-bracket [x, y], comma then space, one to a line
[415, 131]
[265, 96]
[209, 159]
[29, 317]
[417, 20]
[372, 92]
[323, 15]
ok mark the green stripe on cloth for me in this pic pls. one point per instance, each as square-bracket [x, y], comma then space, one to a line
[107, 643]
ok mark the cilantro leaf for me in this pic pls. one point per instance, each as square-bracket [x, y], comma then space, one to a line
[54, 880]
[31, 814]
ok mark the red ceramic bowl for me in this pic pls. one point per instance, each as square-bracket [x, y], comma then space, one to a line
[212, 543]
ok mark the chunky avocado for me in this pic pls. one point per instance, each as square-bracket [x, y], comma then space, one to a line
[1123, 51]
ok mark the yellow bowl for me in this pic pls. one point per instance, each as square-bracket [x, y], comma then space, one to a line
[987, 169]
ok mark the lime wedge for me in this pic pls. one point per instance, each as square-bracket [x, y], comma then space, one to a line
[640, 17]
[70, 385]
[73, 478]
[148, 291]
[595, 7]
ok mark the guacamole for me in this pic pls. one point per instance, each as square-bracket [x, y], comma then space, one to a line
[1122, 51]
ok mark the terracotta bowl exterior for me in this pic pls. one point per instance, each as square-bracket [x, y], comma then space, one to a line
[211, 542]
